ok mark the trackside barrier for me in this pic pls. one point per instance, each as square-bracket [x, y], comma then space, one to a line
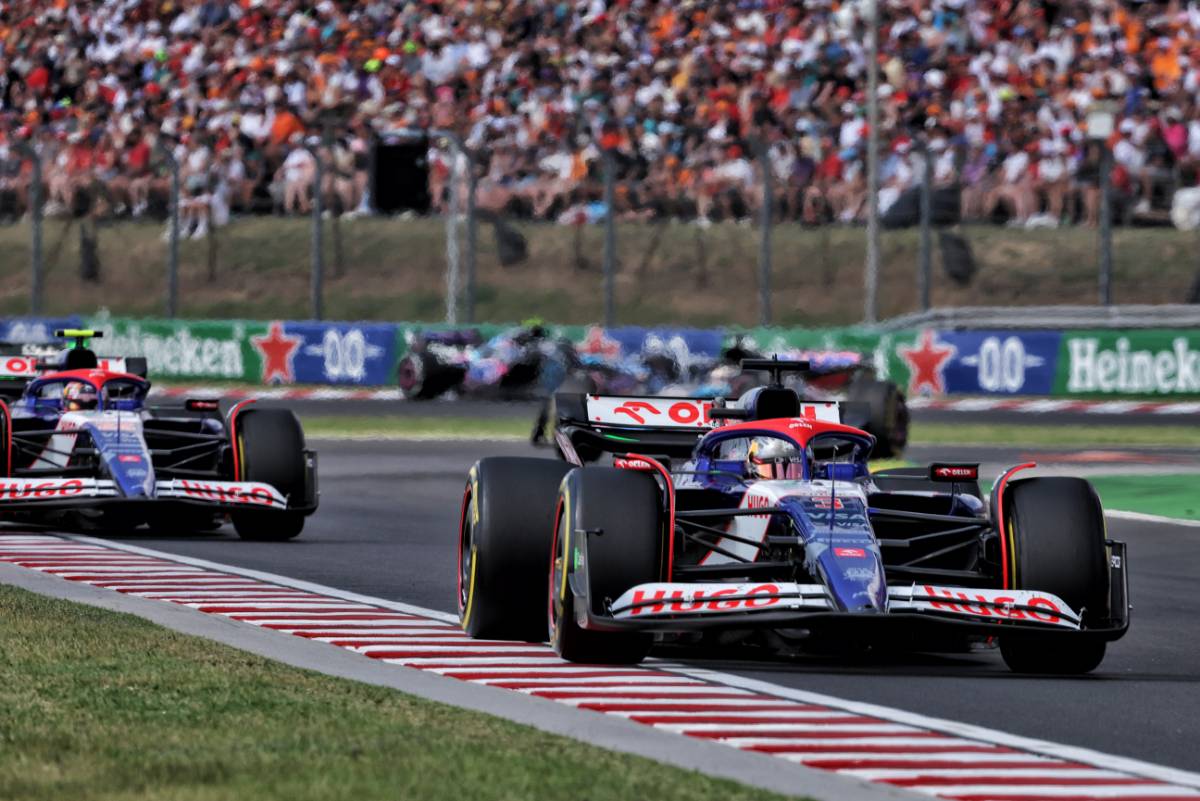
[925, 361]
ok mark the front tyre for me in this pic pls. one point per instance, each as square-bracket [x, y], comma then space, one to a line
[1056, 544]
[505, 529]
[608, 537]
[271, 451]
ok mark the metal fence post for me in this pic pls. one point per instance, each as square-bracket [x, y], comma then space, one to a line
[764, 242]
[173, 234]
[452, 254]
[1105, 279]
[35, 219]
[926, 244]
[317, 255]
[472, 234]
[871, 279]
[610, 239]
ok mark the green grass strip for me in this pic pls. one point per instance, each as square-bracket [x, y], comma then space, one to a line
[1054, 436]
[100, 705]
[431, 427]
[1166, 495]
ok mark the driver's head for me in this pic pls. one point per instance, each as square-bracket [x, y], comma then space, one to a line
[773, 458]
[79, 395]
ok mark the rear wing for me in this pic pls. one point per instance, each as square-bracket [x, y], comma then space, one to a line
[16, 371]
[587, 426]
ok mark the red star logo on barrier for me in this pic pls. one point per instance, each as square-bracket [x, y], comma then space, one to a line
[277, 350]
[599, 343]
[926, 360]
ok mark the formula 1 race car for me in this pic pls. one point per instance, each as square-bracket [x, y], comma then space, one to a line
[869, 402]
[761, 516]
[81, 447]
[21, 362]
[523, 362]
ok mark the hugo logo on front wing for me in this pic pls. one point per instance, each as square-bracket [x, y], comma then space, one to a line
[705, 600]
[40, 489]
[215, 492]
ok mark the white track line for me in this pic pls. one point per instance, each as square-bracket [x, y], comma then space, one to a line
[1142, 517]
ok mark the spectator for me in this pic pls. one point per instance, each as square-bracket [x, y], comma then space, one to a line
[683, 92]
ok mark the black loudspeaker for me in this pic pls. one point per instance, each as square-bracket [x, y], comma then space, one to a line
[400, 175]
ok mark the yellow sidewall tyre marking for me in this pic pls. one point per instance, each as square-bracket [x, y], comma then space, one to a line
[466, 619]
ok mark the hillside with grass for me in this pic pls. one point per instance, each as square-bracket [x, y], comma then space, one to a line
[392, 269]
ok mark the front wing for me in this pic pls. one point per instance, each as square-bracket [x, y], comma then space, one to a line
[681, 601]
[682, 607]
[23, 494]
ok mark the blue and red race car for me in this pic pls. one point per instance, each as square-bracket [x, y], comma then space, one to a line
[763, 515]
[81, 447]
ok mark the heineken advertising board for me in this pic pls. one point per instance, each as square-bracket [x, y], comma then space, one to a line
[925, 362]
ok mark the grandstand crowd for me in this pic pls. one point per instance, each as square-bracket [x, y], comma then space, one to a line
[692, 99]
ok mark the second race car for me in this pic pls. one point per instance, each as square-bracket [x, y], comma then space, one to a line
[81, 446]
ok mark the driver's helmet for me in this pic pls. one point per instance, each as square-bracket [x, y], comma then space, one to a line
[773, 458]
[79, 395]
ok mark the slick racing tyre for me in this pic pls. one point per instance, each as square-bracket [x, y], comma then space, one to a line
[270, 447]
[887, 418]
[1056, 545]
[608, 537]
[421, 376]
[505, 530]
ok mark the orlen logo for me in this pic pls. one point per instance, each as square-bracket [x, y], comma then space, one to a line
[214, 492]
[680, 601]
[631, 464]
[953, 472]
[1001, 606]
[682, 413]
[852, 553]
[18, 365]
[131, 458]
[42, 489]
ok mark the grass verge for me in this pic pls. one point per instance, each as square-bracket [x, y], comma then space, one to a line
[95, 704]
[416, 427]
[1166, 495]
[1054, 436]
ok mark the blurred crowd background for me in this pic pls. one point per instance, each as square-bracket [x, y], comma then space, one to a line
[693, 101]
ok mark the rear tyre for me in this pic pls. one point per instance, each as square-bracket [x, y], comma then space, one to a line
[1056, 543]
[887, 418]
[271, 447]
[609, 536]
[421, 376]
[505, 530]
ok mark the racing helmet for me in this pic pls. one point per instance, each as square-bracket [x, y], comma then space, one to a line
[773, 458]
[79, 395]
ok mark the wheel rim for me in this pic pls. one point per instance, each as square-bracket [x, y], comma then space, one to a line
[466, 552]
[409, 376]
[558, 567]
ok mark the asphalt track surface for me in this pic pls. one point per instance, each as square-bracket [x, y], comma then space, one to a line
[387, 528]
